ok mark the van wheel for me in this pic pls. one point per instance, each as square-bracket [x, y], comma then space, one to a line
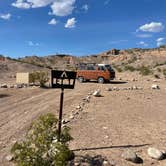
[81, 79]
[100, 80]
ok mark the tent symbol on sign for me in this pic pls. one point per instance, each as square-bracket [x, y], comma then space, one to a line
[64, 75]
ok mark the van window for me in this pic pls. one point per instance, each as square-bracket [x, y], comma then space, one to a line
[101, 68]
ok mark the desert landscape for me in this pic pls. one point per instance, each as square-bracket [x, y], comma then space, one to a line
[128, 114]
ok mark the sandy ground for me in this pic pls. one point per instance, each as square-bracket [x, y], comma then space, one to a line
[107, 125]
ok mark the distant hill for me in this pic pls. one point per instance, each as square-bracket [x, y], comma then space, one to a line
[122, 60]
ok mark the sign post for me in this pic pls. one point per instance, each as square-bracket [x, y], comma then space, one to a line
[62, 80]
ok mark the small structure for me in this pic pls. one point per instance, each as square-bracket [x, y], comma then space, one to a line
[22, 78]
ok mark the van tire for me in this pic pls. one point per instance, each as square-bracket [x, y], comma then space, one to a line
[100, 80]
[81, 79]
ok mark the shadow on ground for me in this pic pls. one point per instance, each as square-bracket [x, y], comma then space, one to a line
[4, 95]
[111, 147]
[111, 82]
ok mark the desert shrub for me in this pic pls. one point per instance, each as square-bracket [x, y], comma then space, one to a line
[144, 70]
[160, 64]
[164, 72]
[130, 68]
[158, 69]
[132, 60]
[118, 68]
[41, 147]
[40, 77]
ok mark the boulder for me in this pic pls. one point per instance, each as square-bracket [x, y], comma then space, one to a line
[97, 93]
[155, 86]
[129, 155]
[3, 85]
[155, 153]
[9, 158]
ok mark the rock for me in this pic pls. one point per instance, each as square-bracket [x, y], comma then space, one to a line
[134, 87]
[155, 153]
[9, 158]
[108, 89]
[155, 86]
[64, 121]
[97, 93]
[10, 86]
[87, 99]
[154, 80]
[18, 86]
[71, 117]
[129, 155]
[139, 88]
[78, 107]
[134, 79]
[3, 85]
[90, 93]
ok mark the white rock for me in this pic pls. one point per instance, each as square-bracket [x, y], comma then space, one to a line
[155, 153]
[129, 155]
[78, 107]
[97, 93]
[134, 87]
[155, 86]
[9, 158]
[4, 86]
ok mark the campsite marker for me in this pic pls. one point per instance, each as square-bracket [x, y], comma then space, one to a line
[62, 80]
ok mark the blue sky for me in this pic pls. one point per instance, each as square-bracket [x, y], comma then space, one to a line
[79, 27]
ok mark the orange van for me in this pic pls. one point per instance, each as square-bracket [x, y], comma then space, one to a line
[100, 72]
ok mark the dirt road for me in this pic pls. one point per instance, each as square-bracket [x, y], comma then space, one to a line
[107, 125]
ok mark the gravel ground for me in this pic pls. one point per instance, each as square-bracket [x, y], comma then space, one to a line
[108, 125]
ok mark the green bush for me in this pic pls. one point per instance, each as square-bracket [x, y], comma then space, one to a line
[40, 77]
[130, 68]
[41, 147]
[145, 70]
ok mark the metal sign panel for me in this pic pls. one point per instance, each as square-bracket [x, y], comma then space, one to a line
[63, 79]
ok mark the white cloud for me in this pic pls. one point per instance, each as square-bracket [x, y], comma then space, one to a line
[144, 35]
[26, 4]
[142, 43]
[6, 16]
[152, 27]
[85, 7]
[59, 7]
[30, 43]
[160, 41]
[63, 7]
[21, 4]
[52, 22]
[70, 23]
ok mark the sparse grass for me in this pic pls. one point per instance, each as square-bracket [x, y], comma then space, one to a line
[144, 70]
[132, 60]
[159, 70]
[129, 68]
[119, 69]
